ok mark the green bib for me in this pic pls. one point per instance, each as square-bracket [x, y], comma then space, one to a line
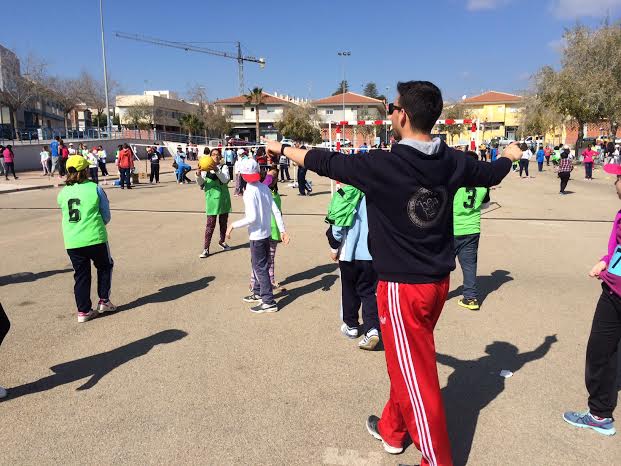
[217, 197]
[275, 230]
[81, 221]
[343, 206]
[467, 210]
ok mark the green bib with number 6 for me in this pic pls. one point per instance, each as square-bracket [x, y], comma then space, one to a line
[82, 223]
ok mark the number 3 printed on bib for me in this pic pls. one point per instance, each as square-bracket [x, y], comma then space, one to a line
[74, 213]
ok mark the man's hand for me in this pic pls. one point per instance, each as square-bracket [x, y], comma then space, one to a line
[597, 269]
[513, 152]
[285, 237]
[229, 230]
[272, 148]
[551, 338]
[334, 256]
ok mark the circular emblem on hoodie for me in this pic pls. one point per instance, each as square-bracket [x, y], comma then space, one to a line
[425, 207]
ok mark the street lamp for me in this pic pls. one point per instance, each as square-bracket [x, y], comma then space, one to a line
[103, 52]
[344, 54]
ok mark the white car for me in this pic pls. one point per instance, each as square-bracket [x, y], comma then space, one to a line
[289, 142]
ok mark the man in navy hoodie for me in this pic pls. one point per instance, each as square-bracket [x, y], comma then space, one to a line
[409, 194]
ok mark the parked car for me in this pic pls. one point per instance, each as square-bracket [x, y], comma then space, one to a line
[501, 141]
[289, 142]
[237, 142]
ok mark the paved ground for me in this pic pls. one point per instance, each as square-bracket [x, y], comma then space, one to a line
[186, 375]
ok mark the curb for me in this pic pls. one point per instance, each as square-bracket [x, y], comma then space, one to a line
[28, 188]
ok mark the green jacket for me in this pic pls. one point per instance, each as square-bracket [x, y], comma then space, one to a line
[217, 197]
[275, 230]
[343, 206]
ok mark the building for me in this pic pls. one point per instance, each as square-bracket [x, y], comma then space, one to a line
[350, 107]
[243, 117]
[153, 109]
[81, 117]
[498, 114]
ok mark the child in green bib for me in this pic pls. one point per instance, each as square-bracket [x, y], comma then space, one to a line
[85, 212]
[467, 205]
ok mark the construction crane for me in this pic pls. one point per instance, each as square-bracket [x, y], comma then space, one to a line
[193, 48]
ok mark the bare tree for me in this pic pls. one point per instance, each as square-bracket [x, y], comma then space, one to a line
[140, 115]
[92, 91]
[66, 93]
[217, 122]
[456, 111]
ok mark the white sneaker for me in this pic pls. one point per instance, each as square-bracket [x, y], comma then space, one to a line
[105, 306]
[3, 393]
[86, 316]
[349, 332]
[370, 340]
[204, 254]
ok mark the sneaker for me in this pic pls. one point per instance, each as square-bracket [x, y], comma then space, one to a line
[86, 316]
[370, 340]
[204, 254]
[224, 246]
[3, 393]
[350, 332]
[253, 298]
[587, 421]
[469, 303]
[105, 306]
[374, 431]
[261, 308]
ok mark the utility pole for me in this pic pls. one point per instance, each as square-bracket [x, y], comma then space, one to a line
[105, 69]
[344, 54]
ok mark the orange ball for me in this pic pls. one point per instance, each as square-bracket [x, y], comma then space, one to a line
[206, 163]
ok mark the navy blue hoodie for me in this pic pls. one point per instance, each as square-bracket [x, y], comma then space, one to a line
[410, 203]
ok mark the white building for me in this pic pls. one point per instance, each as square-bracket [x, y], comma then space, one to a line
[163, 112]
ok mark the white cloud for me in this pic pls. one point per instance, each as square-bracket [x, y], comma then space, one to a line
[578, 8]
[558, 45]
[474, 5]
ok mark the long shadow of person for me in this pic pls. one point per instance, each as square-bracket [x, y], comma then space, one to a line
[24, 277]
[96, 366]
[475, 384]
[310, 273]
[486, 284]
[166, 294]
[288, 296]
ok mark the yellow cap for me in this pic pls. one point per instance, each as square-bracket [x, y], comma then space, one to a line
[206, 163]
[77, 162]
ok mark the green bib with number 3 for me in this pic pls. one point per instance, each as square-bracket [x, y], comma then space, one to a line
[81, 221]
[614, 266]
[467, 211]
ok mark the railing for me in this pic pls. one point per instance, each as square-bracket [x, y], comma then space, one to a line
[39, 135]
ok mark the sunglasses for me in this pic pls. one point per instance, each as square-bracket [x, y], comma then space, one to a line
[392, 107]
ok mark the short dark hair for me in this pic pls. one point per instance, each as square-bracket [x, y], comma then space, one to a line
[207, 151]
[422, 101]
[472, 154]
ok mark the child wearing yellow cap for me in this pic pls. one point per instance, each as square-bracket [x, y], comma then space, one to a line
[85, 214]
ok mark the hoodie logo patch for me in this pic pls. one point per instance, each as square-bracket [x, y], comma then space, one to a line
[425, 207]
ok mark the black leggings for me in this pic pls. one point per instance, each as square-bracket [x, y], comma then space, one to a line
[5, 325]
[9, 166]
[564, 176]
[524, 166]
[601, 356]
[155, 172]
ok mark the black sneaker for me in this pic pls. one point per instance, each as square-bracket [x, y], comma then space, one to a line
[253, 298]
[374, 431]
[261, 308]
[224, 246]
[469, 303]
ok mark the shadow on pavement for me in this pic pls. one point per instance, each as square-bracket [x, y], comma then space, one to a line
[96, 366]
[24, 277]
[288, 296]
[311, 273]
[164, 295]
[486, 284]
[475, 384]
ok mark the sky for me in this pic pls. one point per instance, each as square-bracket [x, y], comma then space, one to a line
[464, 46]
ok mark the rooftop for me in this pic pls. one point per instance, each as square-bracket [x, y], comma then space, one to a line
[267, 99]
[493, 97]
[350, 98]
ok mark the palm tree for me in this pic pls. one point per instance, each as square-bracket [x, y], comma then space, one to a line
[255, 97]
[191, 123]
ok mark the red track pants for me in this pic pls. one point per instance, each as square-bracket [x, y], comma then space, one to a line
[408, 314]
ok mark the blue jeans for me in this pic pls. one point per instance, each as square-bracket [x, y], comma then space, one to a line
[588, 169]
[182, 171]
[466, 249]
[259, 257]
[125, 177]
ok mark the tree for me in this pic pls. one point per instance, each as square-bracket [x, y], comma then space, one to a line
[255, 98]
[192, 123]
[217, 123]
[140, 115]
[300, 124]
[537, 118]
[343, 87]
[92, 91]
[23, 89]
[66, 93]
[370, 90]
[456, 111]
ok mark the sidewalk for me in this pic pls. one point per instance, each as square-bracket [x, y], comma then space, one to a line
[30, 180]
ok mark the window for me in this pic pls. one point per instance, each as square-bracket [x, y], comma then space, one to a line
[329, 111]
[252, 109]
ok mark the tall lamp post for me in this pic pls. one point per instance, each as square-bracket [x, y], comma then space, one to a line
[344, 54]
[105, 70]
